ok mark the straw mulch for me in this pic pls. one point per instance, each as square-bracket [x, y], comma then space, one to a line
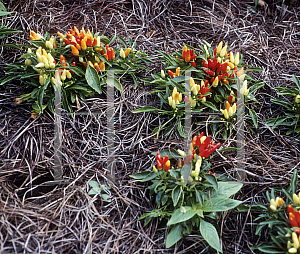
[40, 218]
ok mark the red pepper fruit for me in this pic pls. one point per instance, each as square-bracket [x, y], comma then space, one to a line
[171, 73]
[214, 64]
[297, 231]
[210, 64]
[293, 222]
[297, 216]
[193, 64]
[165, 159]
[209, 72]
[194, 142]
[158, 157]
[193, 57]
[159, 165]
[73, 64]
[215, 51]
[95, 42]
[224, 67]
[109, 54]
[89, 41]
[67, 41]
[167, 165]
[84, 64]
[205, 64]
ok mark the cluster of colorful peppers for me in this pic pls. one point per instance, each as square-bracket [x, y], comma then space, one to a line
[176, 74]
[229, 111]
[294, 219]
[219, 67]
[162, 163]
[202, 146]
[175, 98]
[188, 55]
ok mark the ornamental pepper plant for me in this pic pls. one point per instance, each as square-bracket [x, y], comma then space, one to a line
[188, 202]
[290, 100]
[280, 219]
[81, 58]
[213, 86]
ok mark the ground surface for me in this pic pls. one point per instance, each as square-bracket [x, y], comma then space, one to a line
[64, 219]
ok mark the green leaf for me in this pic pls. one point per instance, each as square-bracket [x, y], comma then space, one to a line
[93, 191]
[146, 109]
[227, 189]
[123, 42]
[140, 175]
[106, 197]
[8, 79]
[294, 182]
[41, 94]
[181, 214]
[296, 80]
[199, 198]
[219, 204]
[254, 117]
[180, 129]
[118, 85]
[174, 236]
[134, 81]
[112, 39]
[210, 235]
[149, 177]
[212, 179]
[255, 87]
[94, 184]
[92, 79]
[176, 194]
[210, 105]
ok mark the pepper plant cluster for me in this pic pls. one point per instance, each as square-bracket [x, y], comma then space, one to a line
[188, 202]
[282, 218]
[81, 58]
[213, 84]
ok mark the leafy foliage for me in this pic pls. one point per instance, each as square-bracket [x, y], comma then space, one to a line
[290, 121]
[216, 79]
[103, 190]
[190, 203]
[274, 219]
[82, 61]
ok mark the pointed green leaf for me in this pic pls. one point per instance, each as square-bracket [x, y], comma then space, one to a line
[296, 80]
[210, 234]
[118, 85]
[254, 117]
[227, 189]
[94, 184]
[219, 204]
[210, 105]
[174, 236]
[92, 79]
[181, 214]
[212, 179]
[176, 194]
